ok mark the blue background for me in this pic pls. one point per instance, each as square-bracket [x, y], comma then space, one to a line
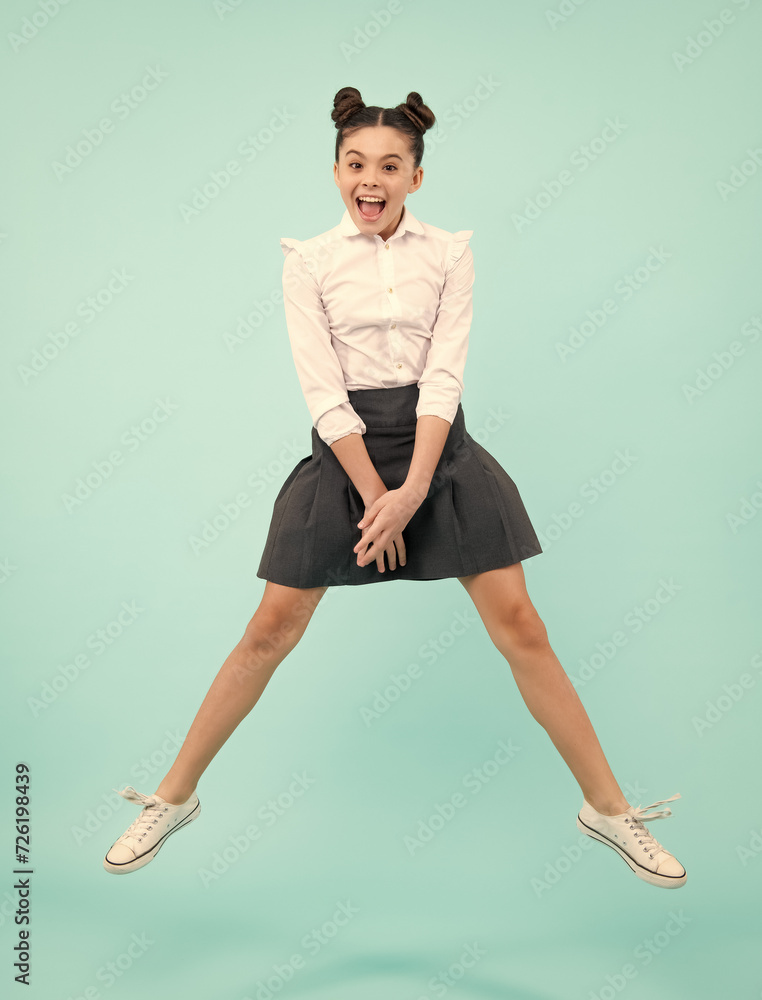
[669, 375]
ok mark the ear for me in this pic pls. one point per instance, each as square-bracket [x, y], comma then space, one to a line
[417, 180]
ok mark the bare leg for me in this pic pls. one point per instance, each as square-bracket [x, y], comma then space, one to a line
[276, 627]
[519, 634]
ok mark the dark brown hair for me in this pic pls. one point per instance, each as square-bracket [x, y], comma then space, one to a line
[412, 118]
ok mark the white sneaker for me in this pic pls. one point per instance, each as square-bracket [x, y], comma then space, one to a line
[631, 839]
[142, 840]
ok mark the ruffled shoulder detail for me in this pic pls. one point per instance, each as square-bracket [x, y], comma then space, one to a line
[287, 243]
[458, 245]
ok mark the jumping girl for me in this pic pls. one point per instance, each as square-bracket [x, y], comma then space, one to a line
[378, 311]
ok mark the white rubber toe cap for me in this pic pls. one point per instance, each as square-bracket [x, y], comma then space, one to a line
[671, 867]
[120, 854]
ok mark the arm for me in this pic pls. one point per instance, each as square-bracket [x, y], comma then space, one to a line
[321, 378]
[322, 382]
[441, 385]
[353, 456]
[389, 511]
[430, 436]
[441, 381]
[317, 365]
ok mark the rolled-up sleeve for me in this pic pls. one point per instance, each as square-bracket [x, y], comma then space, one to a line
[441, 382]
[317, 365]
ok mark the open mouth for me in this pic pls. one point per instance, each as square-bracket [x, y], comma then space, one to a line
[370, 210]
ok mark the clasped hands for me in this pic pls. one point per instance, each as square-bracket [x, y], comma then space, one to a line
[382, 524]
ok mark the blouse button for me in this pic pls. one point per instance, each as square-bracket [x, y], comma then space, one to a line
[386, 245]
[388, 289]
[394, 326]
[399, 366]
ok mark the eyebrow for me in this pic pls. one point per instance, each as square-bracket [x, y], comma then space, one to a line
[358, 153]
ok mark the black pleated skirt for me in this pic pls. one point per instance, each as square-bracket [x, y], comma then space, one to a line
[472, 520]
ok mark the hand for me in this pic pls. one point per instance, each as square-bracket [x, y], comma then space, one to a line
[382, 526]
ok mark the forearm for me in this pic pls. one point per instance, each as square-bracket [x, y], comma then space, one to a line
[430, 436]
[354, 458]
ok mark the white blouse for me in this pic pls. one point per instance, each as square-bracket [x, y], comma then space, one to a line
[365, 313]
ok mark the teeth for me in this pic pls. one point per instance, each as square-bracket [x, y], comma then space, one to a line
[364, 198]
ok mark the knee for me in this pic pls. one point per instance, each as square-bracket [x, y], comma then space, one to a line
[271, 632]
[522, 626]
[277, 627]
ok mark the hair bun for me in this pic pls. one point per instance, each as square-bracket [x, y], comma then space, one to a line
[418, 113]
[410, 119]
[347, 102]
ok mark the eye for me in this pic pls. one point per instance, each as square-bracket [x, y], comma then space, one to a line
[354, 163]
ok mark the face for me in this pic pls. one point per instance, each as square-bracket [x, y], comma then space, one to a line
[376, 161]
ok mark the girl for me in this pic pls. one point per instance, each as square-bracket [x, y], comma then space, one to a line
[378, 311]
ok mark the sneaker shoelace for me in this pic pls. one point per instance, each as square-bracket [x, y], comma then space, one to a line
[149, 817]
[644, 837]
